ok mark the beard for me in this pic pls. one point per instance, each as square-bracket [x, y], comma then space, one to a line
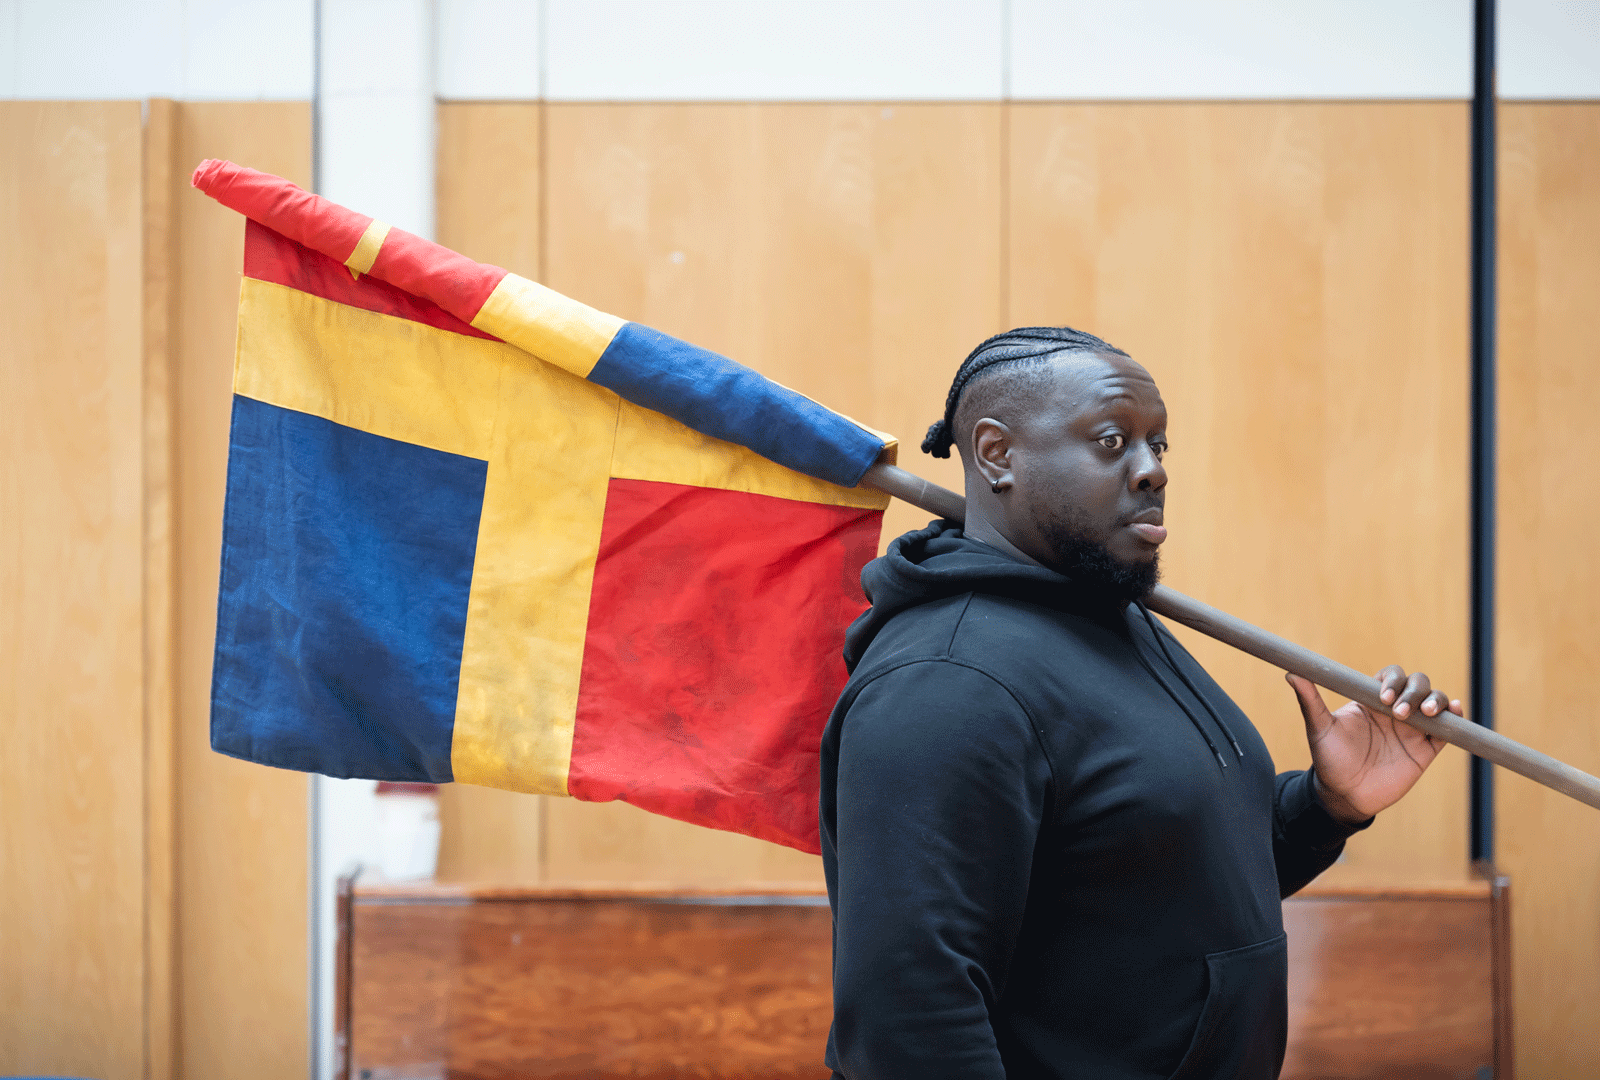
[1091, 565]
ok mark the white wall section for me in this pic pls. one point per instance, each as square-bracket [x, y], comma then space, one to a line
[8, 48]
[1240, 49]
[796, 50]
[376, 109]
[88, 50]
[490, 50]
[774, 50]
[247, 49]
[198, 50]
[1549, 49]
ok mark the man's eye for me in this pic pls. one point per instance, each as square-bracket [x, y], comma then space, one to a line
[1160, 448]
[1113, 442]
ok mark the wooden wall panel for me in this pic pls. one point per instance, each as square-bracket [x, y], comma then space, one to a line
[160, 596]
[1294, 276]
[242, 827]
[848, 251]
[72, 799]
[490, 183]
[1549, 583]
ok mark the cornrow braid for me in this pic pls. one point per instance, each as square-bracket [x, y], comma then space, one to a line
[1023, 343]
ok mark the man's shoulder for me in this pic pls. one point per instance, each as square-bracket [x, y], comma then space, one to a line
[1000, 636]
[913, 704]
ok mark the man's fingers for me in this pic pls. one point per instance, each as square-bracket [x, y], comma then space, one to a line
[1390, 682]
[1455, 707]
[1417, 688]
[1435, 703]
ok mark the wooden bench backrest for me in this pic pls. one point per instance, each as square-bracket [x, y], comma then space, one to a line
[495, 984]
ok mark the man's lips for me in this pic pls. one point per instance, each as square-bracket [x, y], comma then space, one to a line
[1147, 525]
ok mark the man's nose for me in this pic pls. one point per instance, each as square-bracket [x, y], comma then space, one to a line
[1146, 472]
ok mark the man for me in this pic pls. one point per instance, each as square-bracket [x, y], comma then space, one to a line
[1054, 847]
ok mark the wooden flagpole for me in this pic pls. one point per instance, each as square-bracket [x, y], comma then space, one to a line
[1279, 652]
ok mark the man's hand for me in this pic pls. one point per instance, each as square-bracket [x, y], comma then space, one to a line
[1366, 760]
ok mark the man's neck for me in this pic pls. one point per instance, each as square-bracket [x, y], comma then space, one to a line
[979, 528]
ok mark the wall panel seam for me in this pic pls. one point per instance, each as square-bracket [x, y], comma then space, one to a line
[159, 267]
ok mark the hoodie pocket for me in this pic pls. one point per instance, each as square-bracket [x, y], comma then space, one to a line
[1244, 1023]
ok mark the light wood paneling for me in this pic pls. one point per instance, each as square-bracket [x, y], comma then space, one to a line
[486, 834]
[160, 572]
[242, 827]
[1549, 582]
[72, 797]
[609, 842]
[1294, 276]
[850, 252]
[490, 181]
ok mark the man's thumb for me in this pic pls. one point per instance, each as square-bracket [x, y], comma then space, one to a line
[1312, 707]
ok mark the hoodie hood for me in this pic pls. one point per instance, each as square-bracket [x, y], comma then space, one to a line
[940, 561]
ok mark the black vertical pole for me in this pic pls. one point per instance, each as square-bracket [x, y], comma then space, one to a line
[1483, 417]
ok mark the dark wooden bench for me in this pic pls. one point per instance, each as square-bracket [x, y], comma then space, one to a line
[491, 984]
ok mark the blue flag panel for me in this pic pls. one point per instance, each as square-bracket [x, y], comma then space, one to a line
[346, 564]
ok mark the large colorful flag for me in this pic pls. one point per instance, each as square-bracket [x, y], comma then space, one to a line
[478, 531]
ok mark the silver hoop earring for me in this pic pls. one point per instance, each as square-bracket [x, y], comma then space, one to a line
[996, 487]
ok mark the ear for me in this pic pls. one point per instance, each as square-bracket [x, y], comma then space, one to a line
[991, 451]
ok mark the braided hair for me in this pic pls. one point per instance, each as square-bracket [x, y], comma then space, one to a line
[1027, 347]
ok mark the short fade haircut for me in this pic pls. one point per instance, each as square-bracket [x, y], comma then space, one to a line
[1001, 373]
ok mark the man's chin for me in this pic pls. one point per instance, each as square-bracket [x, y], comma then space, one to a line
[1147, 574]
[1133, 580]
[1137, 562]
[1101, 574]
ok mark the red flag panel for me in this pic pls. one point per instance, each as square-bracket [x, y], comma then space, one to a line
[712, 657]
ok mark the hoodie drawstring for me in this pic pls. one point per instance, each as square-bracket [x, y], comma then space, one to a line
[1156, 632]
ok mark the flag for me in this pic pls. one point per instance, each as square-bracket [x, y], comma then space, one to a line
[477, 531]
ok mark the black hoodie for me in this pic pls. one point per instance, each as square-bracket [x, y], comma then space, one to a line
[1054, 847]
